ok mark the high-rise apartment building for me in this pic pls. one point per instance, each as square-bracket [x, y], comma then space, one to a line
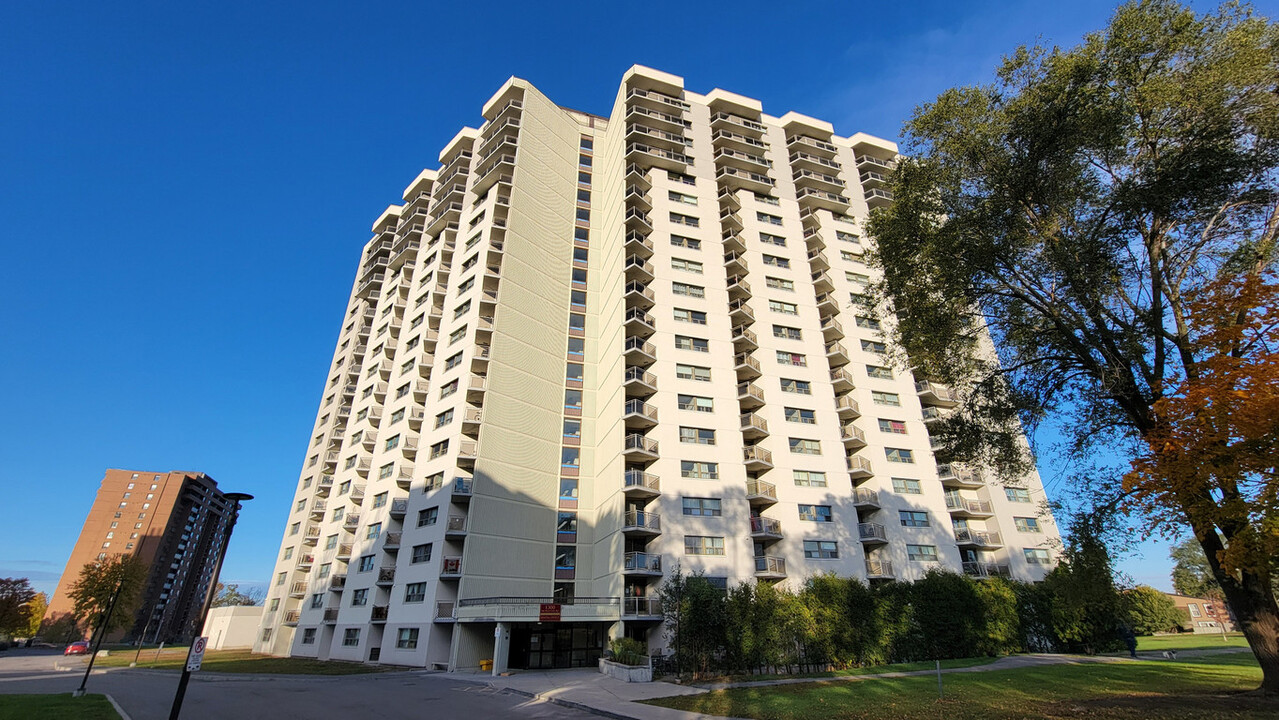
[175, 523]
[587, 351]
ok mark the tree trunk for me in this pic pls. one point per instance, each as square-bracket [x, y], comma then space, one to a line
[1253, 605]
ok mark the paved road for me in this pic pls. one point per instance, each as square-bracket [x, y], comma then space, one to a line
[147, 694]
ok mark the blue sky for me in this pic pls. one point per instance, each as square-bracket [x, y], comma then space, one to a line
[185, 189]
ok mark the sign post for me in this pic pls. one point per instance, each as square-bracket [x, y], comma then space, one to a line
[196, 655]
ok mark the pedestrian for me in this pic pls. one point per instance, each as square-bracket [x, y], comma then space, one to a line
[1130, 639]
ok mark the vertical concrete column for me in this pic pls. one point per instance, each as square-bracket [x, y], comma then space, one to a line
[501, 647]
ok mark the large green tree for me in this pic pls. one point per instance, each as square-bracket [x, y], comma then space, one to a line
[98, 582]
[1084, 210]
[16, 597]
[1191, 574]
[1149, 611]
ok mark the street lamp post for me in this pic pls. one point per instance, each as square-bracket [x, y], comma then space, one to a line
[235, 499]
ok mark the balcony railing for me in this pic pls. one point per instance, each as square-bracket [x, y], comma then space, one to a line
[870, 532]
[760, 490]
[769, 566]
[642, 562]
[639, 480]
[879, 568]
[642, 520]
[641, 607]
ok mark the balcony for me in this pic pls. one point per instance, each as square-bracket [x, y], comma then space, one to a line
[639, 351]
[455, 527]
[673, 141]
[639, 382]
[639, 563]
[741, 312]
[344, 551]
[477, 384]
[638, 268]
[640, 522]
[445, 612]
[404, 476]
[837, 354]
[317, 509]
[827, 304]
[337, 583]
[468, 451]
[760, 493]
[297, 590]
[768, 567]
[638, 243]
[847, 408]
[640, 484]
[841, 379]
[638, 294]
[872, 533]
[653, 99]
[741, 159]
[958, 475]
[351, 522]
[415, 418]
[657, 117]
[385, 576]
[652, 156]
[749, 395]
[324, 485]
[932, 416]
[408, 447]
[754, 427]
[639, 414]
[639, 448]
[978, 538]
[472, 418]
[811, 143]
[822, 284]
[330, 615]
[814, 178]
[744, 338]
[984, 569]
[727, 120]
[870, 162]
[642, 607]
[391, 541]
[822, 198]
[873, 179]
[817, 260]
[451, 567]
[864, 498]
[963, 507]
[859, 468]
[879, 569]
[638, 219]
[291, 617]
[305, 562]
[878, 197]
[462, 489]
[725, 137]
[800, 159]
[934, 394]
[744, 179]
[738, 287]
[379, 613]
[639, 322]
[733, 241]
[763, 528]
[746, 367]
[399, 507]
[735, 263]
[757, 458]
[852, 436]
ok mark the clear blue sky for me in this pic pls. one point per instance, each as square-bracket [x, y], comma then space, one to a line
[185, 189]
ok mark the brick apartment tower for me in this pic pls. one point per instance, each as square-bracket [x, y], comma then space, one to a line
[587, 350]
[175, 522]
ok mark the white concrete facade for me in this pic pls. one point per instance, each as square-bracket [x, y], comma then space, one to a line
[585, 351]
[232, 628]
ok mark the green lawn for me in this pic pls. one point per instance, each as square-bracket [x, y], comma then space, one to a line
[1207, 688]
[873, 670]
[238, 661]
[56, 707]
[1189, 641]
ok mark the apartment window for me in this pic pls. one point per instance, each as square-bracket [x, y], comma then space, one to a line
[783, 307]
[407, 365]
[879, 371]
[804, 446]
[467, 284]
[886, 398]
[415, 592]
[457, 335]
[687, 290]
[787, 333]
[688, 220]
[421, 553]
[680, 178]
[360, 597]
[695, 402]
[766, 199]
[867, 323]
[373, 531]
[800, 387]
[681, 197]
[574, 371]
[444, 418]
[848, 255]
[911, 518]
[684, 342]
[846, 237]
[1194, 610]
[791, 358]
[325, 569]
[1017, 495]
[809, 478]
[801, 415]
[772, 239]
[433, 482]
[344, 487]
[385, 471]
[703, 545]
[584, 178]
[572, 428]
[577, 298]
[300, 505]
[279, 579]
[427, 517]
[899, 455]
[684, 242]
[448, 389]
[779, 283]
[686, 265]
[921, 553]
[766, 218]
[699, 470]
[379, 500]
[288, 552]
[691, 316]
[392, 442]
[699, 436]
[587, 143]
[570, 457]
[693, 372]
[565, 557]
[406, 639]
[308, 636]
[815, 513]
[1026, 524]
[573, 398]
[821, 550]
[366, 563]
[331, 542]
[1036, 556]
[871, 346]
[777, 262]
[568, 488]
[896, 427]
[439, 449]
[702, 507]
[338, 512]
[906, 486]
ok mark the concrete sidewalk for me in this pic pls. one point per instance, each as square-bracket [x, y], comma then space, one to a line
[589, 690]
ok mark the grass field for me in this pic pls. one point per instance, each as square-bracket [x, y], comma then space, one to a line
[873, 670]
[1208, 688]
[1189, 641]
[56, 707]
[237, 661]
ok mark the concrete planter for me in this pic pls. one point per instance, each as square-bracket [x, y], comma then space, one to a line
[627, 673]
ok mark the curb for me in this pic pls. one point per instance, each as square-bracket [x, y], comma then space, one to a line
[119, 710]
[566, 703]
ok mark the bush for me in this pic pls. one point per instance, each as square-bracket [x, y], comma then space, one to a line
[629, 651]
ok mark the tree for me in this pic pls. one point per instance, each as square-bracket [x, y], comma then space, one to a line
[1084, 606]
[98, 581]
[1191, 574]
[35, 616]
[15, 605]
[61, 628]
[1149, 611]
[1107, 215]
[230, 596]
[695, 615]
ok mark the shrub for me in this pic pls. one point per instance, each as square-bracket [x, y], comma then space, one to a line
[629, 651]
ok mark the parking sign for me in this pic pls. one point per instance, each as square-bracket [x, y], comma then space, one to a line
[197, 653]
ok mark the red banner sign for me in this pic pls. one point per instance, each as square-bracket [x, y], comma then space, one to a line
[549, 612]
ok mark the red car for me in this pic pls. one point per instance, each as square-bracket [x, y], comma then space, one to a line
[79, 647]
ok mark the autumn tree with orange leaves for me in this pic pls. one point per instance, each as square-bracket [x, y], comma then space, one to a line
[1107, 215]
